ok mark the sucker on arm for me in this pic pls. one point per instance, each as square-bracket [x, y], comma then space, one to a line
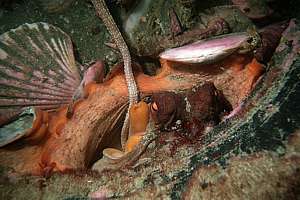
[103, 12]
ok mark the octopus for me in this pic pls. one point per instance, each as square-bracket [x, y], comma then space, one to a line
[202, 80]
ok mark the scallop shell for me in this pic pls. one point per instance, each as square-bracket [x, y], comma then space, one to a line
[208, 50]
[37, 70]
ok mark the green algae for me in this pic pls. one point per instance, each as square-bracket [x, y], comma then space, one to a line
[78, 21]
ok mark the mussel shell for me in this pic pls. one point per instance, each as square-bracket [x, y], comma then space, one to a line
[17, 128]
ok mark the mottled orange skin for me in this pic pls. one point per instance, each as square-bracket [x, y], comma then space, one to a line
[39, 128]
[132, 142]
[255, 70]
[90, 88]
[58, 120]
[68, 143]
[138, 119]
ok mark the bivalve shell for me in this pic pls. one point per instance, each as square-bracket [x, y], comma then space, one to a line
[37, 70]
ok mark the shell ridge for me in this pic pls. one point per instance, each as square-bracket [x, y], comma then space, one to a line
[23, 66]
[14, 79]
[69, 66]
[27, 103]
[32, 95]
[32, 87]
[45, 57]
[64, 69]
[56, 53]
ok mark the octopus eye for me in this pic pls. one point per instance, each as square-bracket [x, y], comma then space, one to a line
[216, 93]
[147, 99]
[154, 107]
[251, 40]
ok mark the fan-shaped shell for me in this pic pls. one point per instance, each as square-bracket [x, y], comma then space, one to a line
[37, 69]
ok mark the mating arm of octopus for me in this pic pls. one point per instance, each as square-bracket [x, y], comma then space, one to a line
[104, 14]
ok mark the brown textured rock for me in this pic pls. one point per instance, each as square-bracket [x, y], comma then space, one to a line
[258, 176]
